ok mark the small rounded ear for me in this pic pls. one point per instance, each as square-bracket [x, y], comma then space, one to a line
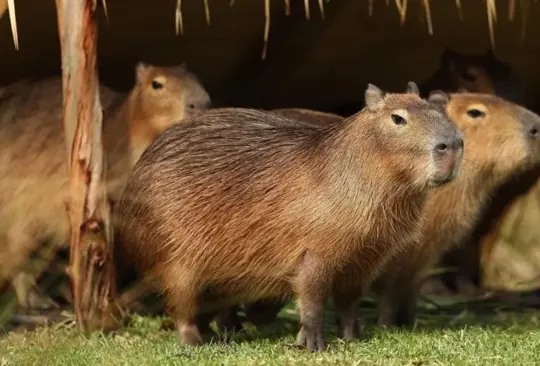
[413, 88]
[462, 90]
[374, 97]
[438, 97]
[140, 71]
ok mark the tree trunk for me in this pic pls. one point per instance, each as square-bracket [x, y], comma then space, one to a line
[91, 263]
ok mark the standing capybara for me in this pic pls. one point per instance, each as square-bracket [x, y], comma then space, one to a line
[247, 205]
[33, 169]
[501, 139]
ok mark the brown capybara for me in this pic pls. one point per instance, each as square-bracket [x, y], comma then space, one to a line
[476, 73]
[33, 169]
[501, 140]
[246, 205]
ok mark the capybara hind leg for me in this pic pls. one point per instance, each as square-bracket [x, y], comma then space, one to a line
[312, 287]
[182, 302]
[263, 312]
[28, 295]
[347, 304]
[397, 304]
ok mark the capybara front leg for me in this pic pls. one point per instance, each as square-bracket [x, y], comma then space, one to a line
[312, 290]
[347, 303]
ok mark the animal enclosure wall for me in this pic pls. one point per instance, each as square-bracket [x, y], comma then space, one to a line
[316, 63]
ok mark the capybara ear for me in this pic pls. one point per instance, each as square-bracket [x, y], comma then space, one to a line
[439, 97]
[140, 71]
[374, 97]
[462, 90]
[413, 88]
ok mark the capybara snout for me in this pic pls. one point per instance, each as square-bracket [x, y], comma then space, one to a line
[531, 126]
[447, 155]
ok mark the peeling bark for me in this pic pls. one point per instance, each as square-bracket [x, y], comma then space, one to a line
[91, 264]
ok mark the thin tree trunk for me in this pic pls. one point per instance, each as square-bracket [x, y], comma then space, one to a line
[91, 265]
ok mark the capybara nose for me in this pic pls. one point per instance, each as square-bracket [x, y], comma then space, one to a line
[534, 131]
[447, 155]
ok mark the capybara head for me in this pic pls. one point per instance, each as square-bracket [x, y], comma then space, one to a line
[500, 137]
[166, 95]
[427, 141]
[479, 74]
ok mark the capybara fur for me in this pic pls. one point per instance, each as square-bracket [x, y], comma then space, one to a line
[246, 205]
[33, 168]
[309, 115]
[501, 140]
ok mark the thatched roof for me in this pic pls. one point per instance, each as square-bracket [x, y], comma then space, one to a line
[309, 62]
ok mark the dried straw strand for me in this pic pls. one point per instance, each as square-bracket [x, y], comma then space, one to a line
[13, 22]
[402, 9]
[306, 7]
[104, 3]
[491, 14]
[321, 8]
[370, 8]
[287, 7]
[428, 17]
[460, 9]
[266, 27]
[387, 2]
[179, 21]
[511, 9]
[207, 11]
[231, 3]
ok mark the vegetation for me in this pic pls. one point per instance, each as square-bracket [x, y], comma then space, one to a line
[481, 333]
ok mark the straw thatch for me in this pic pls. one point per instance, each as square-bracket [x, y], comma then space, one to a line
[401, 5]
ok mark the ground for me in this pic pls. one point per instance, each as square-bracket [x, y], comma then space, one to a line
[446, 334]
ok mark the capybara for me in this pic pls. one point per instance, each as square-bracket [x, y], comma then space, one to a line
[475, 73]
[501, 140]
[33, 169]
[246, 204]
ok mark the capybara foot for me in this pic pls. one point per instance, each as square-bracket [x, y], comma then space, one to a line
[312, 339]
[188, 333]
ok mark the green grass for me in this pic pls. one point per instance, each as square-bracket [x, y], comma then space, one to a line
[452, 335]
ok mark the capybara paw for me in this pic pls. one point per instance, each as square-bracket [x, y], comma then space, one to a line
[189, 334]
[311, 339]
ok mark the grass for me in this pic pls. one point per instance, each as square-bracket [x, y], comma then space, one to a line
[457, 334]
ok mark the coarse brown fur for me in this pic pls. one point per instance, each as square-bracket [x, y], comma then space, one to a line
[503, 140]
[309, 115]
[33, 170]
[248, 205]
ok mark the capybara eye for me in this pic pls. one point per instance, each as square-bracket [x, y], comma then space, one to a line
[192, 106]
[156, 85]
[398, 120]
[475, 113]
[469, 75]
